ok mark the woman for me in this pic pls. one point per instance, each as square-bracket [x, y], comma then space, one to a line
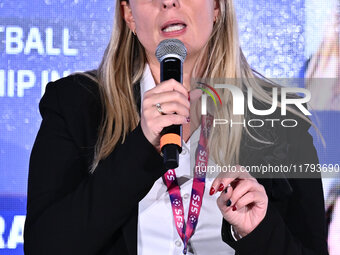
[323, 69]
[91, 124]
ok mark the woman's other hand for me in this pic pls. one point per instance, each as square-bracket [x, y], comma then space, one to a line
[174, 102]
[243, 201]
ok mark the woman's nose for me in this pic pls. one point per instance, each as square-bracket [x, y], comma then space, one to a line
[167, 4]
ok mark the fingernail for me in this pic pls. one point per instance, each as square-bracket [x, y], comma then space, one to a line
[221, 187]
[188, 119]
[226, 189]
[234, 208]
[229, 202]
[212, 191]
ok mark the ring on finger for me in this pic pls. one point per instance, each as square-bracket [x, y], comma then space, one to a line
[159, 108]
[226, 189]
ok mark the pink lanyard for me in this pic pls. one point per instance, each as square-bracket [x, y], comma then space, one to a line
[187, 230]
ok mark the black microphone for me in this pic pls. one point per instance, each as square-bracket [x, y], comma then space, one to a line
[171, 54]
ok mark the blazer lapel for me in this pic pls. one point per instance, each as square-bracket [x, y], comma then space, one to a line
[277, 185]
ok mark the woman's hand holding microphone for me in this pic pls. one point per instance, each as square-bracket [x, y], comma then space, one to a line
[158, 108]
[167, 104]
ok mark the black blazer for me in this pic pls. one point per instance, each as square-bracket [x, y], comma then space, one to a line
[70, 211]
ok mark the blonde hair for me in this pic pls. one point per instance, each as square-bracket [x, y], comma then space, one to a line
[323, 73]
[329, 47]
[123, 65]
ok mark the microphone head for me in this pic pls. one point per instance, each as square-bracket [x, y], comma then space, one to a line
[171, 48]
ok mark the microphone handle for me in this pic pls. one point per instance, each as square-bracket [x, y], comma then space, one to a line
[171, 136]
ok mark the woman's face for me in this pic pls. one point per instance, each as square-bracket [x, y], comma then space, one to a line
[190, 21]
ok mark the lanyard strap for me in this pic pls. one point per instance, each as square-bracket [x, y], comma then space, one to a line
[186, 230]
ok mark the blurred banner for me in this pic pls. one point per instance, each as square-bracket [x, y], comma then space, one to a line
[42, 41]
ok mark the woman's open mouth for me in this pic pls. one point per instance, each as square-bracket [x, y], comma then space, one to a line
[172, 28]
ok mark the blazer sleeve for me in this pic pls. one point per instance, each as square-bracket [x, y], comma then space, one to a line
[70, 211]
[301, 230]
